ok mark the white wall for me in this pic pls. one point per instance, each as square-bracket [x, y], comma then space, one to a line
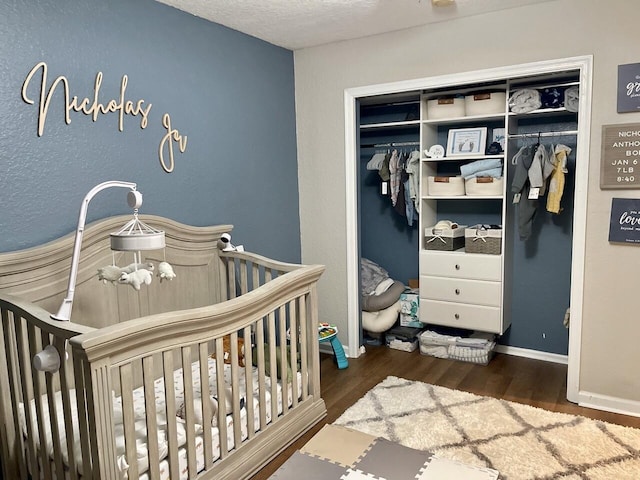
[556, 29]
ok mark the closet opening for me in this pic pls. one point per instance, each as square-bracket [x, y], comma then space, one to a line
[528, 291]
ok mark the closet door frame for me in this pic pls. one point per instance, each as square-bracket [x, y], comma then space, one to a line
[583, 64]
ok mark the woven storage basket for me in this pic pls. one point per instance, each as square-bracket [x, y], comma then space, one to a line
[478, 239]
[444, 238]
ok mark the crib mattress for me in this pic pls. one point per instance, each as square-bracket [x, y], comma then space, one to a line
[140, 422]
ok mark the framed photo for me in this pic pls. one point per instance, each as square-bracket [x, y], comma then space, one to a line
[466, 141]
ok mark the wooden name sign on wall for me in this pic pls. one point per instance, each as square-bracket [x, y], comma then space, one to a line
[620, 167]
[95, 107]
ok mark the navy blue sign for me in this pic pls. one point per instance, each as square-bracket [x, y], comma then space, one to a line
[629, 88]
[624, 226]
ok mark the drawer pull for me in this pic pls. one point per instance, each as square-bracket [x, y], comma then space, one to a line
[457, 291]
[457, 316]
[457, 267]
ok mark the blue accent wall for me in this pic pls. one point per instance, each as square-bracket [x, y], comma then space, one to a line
[230, 94]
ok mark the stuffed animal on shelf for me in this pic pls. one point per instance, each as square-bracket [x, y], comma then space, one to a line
[132, 267]
[165, 271]
[110, 273]
[136, 278]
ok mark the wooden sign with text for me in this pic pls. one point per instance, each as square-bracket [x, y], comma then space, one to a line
[620, 167]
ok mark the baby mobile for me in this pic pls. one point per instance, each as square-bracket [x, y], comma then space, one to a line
[136, 236]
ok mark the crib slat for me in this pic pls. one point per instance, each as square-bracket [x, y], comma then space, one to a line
[151, 417]
[100, 409]
[207, 413]
[244, 287]
[34, 348]
[53, 415]
[231, 273]
[273, 364]
[304, 341]
[284, 369]
[87, 470]
[65, 388]
[27, 393]
[12, 397]
[128, 419]
[293, 359]
[187, 378]
[222, 404]
[170, 402]
[235, 391]
[248, 375]
[262, 385]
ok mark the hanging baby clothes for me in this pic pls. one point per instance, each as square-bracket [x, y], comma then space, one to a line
[394, 176]
[520, 187]
[413, 169]
[556, 184]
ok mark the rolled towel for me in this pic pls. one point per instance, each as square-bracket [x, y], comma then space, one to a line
[524, 100]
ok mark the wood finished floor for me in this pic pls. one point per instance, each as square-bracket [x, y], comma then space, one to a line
[533, 382]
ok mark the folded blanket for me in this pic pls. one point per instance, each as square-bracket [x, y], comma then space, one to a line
[525, 100]
[468, 170]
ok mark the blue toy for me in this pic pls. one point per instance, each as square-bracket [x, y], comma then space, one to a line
[329, 333]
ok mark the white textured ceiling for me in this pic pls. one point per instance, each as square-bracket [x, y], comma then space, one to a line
[295, 24]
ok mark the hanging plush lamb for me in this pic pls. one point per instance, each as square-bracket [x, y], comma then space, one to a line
[165, 271]
[136, 278]
[110, 273]
[132, 267]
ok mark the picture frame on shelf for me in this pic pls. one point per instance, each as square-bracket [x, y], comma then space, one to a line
[466, 141]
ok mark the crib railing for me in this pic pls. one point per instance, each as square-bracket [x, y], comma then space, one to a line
[26, 330]
[84, 420]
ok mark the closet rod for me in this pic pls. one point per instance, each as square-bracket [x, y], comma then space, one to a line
[543, 134]
[391, 144]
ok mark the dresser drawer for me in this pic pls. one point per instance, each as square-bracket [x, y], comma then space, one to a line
[461, 290]
[460, 315]
[461, 265]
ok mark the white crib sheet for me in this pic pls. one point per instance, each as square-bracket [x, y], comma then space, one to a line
[140, 421]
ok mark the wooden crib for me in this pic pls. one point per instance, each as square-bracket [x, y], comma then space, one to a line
[234, 333]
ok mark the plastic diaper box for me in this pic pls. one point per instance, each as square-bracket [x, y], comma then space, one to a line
[476, 348]
[410, 309]
[483, 239]
[403, 338]
[444, 238]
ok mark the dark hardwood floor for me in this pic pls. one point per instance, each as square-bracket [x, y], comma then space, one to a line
[533, 382]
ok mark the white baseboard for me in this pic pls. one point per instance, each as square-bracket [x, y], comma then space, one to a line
[609, 404]
[534, 354]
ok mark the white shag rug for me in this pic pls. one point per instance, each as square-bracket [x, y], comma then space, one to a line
[520, 441]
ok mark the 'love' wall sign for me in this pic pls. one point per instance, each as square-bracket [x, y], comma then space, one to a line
[94, 107]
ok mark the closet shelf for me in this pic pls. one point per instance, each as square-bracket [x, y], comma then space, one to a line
[462, 158]
[465, 119]
[462, 197]
[402, 124]
[542, 112]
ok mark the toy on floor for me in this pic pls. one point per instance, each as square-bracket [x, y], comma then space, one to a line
[329, 333]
